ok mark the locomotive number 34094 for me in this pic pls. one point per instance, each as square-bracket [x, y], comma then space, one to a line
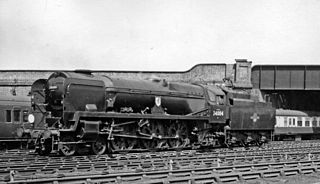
[217, 113]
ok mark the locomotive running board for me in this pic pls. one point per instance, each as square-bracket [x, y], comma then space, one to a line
[87, 114]
[143, 137]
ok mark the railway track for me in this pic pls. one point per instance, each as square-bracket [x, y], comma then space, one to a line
[218, 165]
[193, 175]
[235, 166]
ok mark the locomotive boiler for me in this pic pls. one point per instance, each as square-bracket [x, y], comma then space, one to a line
[80, 109]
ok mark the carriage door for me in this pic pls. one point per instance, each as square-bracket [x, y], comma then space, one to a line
[16, 122]
[291, 122]
[6, 123]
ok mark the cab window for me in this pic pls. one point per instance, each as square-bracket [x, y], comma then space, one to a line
[8, 115]
[220, 99]
[16, 115]
[212, 96]
[216, 97]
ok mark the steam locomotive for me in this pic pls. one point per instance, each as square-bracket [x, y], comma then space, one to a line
[83, 110]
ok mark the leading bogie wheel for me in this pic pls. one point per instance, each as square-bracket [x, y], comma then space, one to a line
[68, 149]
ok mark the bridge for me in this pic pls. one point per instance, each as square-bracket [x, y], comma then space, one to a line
[286, 77]
[289, 86]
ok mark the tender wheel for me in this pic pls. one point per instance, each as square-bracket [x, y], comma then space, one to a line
[68, 149]
[244, 144]
[99, 147]
[221, 142]
[258, 143]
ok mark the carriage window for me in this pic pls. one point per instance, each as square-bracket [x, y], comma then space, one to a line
[290, 121]
[285, 124]
[25, 116]
[16, 115]
[307, 123]
[294, 122]
[8, 115]
[314, 123]
[299, 123]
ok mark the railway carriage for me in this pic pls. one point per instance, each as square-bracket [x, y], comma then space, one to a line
[14, 126]
[80, 109]
[297, 125]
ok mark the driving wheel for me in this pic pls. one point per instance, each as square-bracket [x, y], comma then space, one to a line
[155, 131]
[179, 134]
[122, 143]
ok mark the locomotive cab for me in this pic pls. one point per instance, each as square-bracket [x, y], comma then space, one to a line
[216, 99]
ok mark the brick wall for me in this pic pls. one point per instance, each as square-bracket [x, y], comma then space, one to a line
[19, 81]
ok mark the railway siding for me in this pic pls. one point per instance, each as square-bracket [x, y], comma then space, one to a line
[226, 171]
[218, 165]
[217, 174]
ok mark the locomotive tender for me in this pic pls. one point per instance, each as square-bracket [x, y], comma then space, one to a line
[112, 114]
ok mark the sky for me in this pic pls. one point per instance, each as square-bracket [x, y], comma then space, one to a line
[156, 35]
